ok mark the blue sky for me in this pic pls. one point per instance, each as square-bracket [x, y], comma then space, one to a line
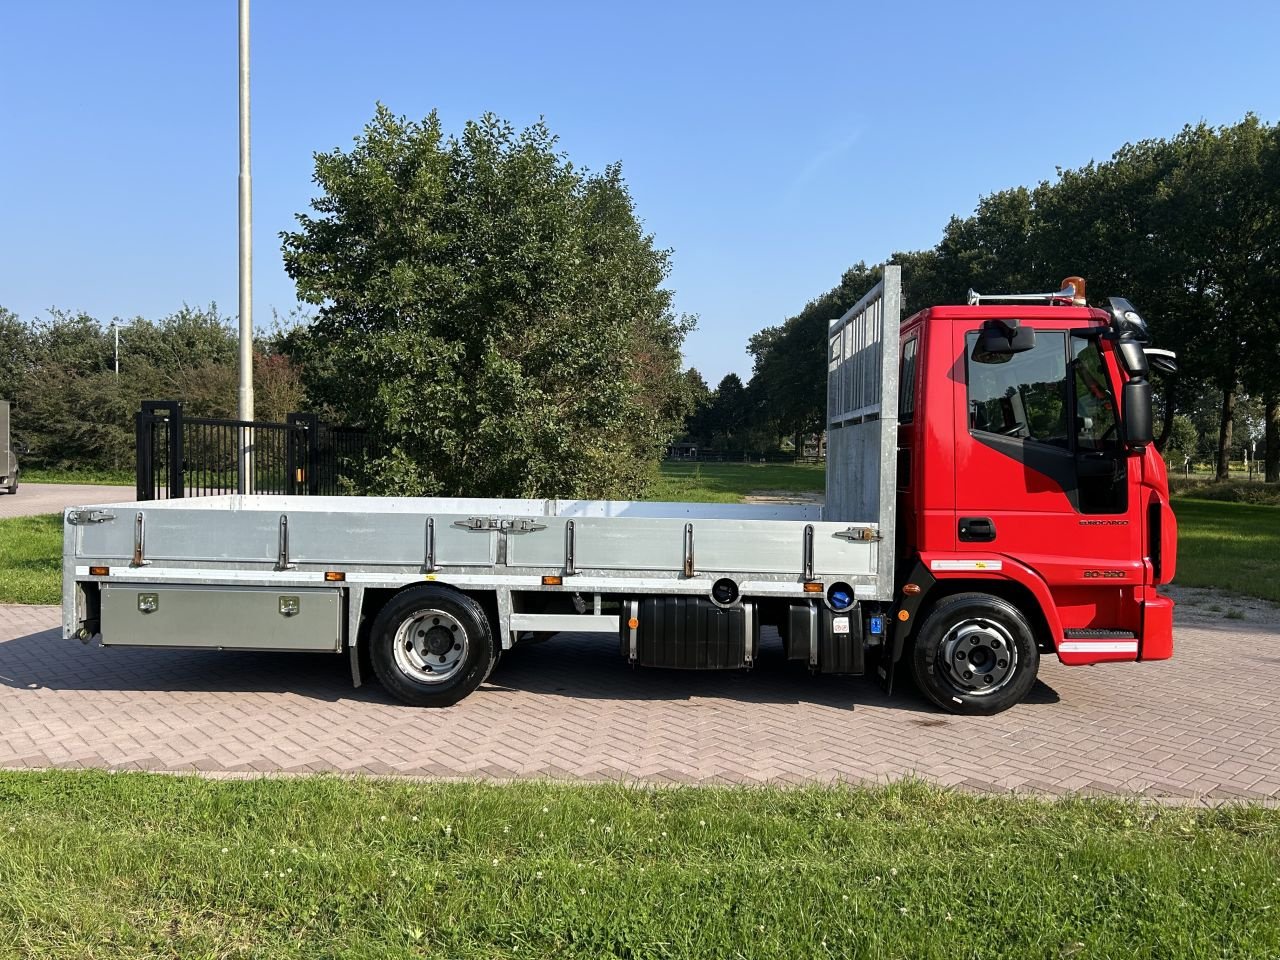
[769, 145]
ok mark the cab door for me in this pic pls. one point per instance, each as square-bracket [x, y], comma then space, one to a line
[1042, 475]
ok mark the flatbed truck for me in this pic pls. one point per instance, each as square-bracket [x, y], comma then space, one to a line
[992, 495]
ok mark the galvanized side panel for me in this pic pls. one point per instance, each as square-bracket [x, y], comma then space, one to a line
[862, 416]
[227, 617]
[248, 539]
[341, 538]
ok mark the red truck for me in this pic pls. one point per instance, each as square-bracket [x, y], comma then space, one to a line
[993, 495]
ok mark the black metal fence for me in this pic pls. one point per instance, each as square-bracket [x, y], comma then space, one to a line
[181, 456]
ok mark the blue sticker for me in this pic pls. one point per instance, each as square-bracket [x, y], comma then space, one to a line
[877, 624]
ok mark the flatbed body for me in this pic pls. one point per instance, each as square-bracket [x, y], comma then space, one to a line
[616, 548]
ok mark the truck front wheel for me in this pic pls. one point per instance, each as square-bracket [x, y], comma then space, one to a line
[975, 654]
[431, 646]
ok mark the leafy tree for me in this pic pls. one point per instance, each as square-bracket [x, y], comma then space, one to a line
[493, 314]
[17, 352]
[729, 414]
[75, 412]
[790, 360]
[1182, 442]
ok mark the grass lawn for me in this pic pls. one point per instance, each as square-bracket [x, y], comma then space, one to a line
[124, 478]
[131, 865]
[31, 559]
[1234, 546]
[730, 482]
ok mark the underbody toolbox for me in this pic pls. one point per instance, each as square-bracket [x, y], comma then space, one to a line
[227, 617]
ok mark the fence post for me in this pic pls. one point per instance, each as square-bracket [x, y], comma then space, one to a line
[304, 450]
[177, 465]
[143, 464]
[145, 423]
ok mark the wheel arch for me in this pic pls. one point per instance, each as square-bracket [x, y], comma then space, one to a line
[1013, 582]
[371, 600]
[1011, 591]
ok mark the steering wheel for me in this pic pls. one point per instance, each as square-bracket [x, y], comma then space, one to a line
[1014, 430]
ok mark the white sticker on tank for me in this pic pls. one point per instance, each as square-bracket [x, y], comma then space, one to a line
[839, 624]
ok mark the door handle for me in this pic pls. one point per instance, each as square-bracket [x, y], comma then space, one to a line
[977, 530]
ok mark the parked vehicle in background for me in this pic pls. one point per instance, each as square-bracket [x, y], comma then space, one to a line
[992, 494]
[8, 456]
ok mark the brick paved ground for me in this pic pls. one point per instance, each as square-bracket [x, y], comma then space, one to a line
[34, 498]
[1205, 724]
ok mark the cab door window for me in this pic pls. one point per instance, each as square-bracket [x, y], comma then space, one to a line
[1101, 463]
[1021, 395]
[1096, 425]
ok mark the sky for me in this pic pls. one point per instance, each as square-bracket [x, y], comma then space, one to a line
[769, 146]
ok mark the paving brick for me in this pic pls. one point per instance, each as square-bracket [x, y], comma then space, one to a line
[1199, 728]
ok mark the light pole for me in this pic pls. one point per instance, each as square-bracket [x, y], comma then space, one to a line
[246, 264]
[115, 362]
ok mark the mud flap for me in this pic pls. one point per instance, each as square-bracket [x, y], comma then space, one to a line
[903, 622]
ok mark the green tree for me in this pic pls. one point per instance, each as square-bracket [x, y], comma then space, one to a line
[494, 315]
[789, 375]
[18, 352]
[1182, 442]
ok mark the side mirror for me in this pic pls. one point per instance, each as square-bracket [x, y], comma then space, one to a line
[998, 340]
[1139, 421]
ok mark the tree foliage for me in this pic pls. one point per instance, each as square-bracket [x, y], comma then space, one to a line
[1187, 228]
[73, 411]
[494, 315]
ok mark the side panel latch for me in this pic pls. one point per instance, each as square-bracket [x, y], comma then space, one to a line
[80, 517]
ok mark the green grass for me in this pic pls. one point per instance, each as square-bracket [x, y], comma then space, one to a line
[100, 865]
[1232, 546]
[31, 559]
[124, 478]
[730, 482]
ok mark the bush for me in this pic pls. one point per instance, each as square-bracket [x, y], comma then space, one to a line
[1228, 491]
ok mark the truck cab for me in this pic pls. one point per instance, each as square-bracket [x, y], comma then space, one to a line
[1030, 496]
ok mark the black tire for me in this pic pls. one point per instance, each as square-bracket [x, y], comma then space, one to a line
[975, 654]
[431, 646]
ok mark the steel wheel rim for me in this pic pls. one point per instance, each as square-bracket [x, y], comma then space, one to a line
[431, 646]
[979, 656]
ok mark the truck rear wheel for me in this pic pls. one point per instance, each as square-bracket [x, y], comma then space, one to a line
[431, 646]
[975, 654]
